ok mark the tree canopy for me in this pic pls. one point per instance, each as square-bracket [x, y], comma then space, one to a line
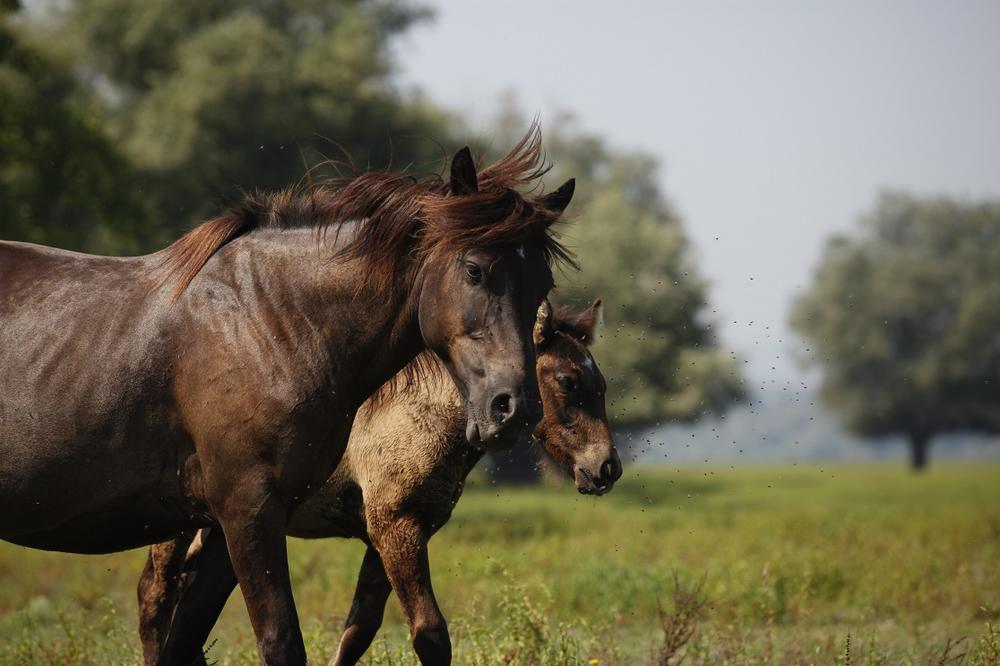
[62, 181]
[903, 319]
[216, 97]
[657, 348]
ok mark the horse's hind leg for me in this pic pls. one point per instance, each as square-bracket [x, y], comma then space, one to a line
[157, 592]
[366, 613]
[402, 545]
[201, 601]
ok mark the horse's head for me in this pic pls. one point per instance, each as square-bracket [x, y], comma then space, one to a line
[574, 430]
[480, 294]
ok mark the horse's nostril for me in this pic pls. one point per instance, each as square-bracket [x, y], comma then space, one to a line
[501, 407]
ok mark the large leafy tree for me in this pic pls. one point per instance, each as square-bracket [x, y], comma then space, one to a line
[62, 181]
[657, 348]
[903, 317]
[213, 97]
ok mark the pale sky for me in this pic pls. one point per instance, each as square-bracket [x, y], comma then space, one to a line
[776, 123]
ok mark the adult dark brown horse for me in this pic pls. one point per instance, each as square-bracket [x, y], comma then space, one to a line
[216, 382]
[400, 478]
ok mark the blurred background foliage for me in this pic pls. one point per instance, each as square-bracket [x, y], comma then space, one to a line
[62, 179]
[658, 350]
[207, 99]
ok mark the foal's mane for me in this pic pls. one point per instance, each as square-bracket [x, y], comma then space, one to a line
[402, 217]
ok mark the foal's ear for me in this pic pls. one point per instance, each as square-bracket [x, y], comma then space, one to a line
[543, 325]
[583, 325]
[557, 200]
[463, 173]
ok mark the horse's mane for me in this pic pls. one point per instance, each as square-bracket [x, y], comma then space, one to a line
[401, 217]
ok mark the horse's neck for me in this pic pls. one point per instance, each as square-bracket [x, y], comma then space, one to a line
[367, 334]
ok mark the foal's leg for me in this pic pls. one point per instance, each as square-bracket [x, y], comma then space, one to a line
[402, 545]
[365, 617]
[210, 581]
[158, 591]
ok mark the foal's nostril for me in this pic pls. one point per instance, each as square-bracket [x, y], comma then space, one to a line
[501, 407]
[611, 470]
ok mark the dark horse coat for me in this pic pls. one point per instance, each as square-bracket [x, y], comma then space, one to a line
[216, 382]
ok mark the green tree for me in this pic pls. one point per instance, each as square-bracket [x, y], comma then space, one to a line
[61, 180]
[657, 349]
[903, 318]
[214, 97]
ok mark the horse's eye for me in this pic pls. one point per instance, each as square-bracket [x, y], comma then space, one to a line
[474, 272]
[566, 383]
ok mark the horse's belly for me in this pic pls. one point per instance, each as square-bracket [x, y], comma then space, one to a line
[48, 483]
[122, 525]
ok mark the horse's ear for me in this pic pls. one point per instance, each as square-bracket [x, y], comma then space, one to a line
[543, 325]
[583, 325]
[463, 173]
[558, 199]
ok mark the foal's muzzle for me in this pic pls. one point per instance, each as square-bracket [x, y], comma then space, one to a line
[588, 483]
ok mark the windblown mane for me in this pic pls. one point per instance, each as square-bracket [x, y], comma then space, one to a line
[402, 217]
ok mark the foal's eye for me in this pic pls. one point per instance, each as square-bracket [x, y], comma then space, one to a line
[474, 272]
[566, 383]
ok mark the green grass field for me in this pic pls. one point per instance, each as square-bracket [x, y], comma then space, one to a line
[841, 564]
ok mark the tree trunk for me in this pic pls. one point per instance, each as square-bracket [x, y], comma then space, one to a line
[919, 448]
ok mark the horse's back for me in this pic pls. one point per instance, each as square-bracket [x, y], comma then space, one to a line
[71, 325]
[78, 355]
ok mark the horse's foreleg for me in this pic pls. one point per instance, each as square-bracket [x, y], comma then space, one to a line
[254, 525]
[402, 545]
[157, 593]
[209, 584]
[365, 618]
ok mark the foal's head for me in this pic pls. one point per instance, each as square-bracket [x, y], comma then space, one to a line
[574, 429]
[482, 287]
